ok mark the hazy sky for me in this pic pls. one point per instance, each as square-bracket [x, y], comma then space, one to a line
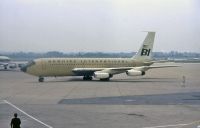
[98, 25]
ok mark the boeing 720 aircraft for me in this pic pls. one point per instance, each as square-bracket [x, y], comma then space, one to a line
[100, 68]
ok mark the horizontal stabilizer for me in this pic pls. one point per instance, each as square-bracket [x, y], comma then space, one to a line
[145, 68]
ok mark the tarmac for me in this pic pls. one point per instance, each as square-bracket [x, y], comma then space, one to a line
[162, 98]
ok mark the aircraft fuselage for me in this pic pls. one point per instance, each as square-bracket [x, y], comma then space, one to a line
[64, 66]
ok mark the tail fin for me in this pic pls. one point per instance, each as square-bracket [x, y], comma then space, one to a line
[145, 51]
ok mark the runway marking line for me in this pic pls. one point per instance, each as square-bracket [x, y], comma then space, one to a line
[9, 103]
[165, 126]
[161, 126]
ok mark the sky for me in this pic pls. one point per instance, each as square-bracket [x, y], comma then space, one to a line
[98, 25]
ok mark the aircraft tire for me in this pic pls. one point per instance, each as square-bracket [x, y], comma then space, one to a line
[87, 78]
[105, 79]
[41, 79]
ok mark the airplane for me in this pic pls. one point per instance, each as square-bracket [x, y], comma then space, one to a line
[6, 62]
[100, 68]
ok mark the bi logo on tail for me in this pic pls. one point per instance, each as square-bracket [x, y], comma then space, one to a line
[145, 52]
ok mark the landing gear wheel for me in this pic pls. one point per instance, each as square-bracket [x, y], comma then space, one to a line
[105, 79]
[87, 78]
[90, 78]
[41, 79]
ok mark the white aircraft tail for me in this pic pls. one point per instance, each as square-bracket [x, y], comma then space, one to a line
[145, 51]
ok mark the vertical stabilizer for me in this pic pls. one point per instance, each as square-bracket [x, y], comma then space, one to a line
[145, 51]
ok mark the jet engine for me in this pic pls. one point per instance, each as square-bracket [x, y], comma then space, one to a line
[101, 75]
[133, 72]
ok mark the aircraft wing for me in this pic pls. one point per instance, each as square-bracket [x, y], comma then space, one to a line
[140, 68]
[117, 70]
[4, 64]
[90, 71]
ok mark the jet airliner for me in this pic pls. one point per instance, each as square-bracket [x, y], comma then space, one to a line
[100, 68]
[8, 64]
[4, 61]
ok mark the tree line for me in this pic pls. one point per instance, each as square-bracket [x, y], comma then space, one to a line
[51, 54]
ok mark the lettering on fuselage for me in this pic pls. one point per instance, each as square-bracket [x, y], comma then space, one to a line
[145, 52]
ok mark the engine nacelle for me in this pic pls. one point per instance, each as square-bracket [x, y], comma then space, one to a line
[133, 72]
[101, 75]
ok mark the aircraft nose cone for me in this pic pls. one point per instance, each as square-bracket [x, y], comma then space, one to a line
[24, 68]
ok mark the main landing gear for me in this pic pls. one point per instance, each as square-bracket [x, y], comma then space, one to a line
[105, 79]
[5, 67]
[41, 79]
[87, 77]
